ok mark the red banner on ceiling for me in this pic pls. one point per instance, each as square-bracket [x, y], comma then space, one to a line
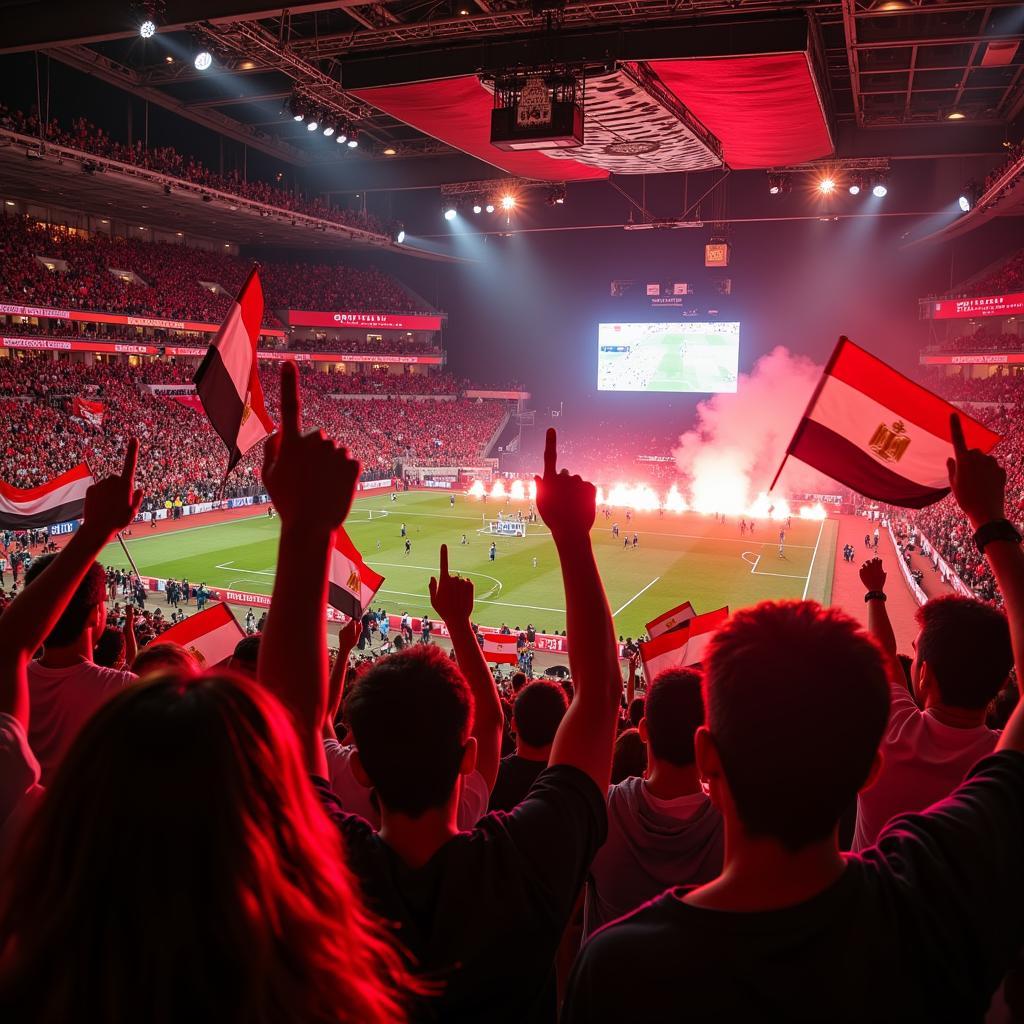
[983, 305]
[378, 321]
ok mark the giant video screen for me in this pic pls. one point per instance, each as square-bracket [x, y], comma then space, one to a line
[668, 357]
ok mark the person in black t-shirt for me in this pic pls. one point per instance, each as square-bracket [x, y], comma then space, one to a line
[920, 927]
[536, 715]
[483, 911]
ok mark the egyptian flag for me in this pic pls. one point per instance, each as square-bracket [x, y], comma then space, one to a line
[210, 635]
[91, 412]
[879, 433]
[672, 619]
[500, 649]
[681, 647]
[56, 501]
[351, 585]
[227, 380]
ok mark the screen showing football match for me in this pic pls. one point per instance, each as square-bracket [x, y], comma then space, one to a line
[668, 357]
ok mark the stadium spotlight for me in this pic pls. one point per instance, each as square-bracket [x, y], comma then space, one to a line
[147, 29]
[340, 138]
[449, 213]
[352, 143]
[826, 186]
[776, 184]
[477, 208]
[854, 188]
[880, 191]
[313, 125]
[964, 203]
[508, 202]
[400, 235]
[329, 130]
[203, 60]
[298, 116]
[489, 207]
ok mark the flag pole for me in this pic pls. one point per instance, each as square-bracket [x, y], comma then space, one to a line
[810, 405]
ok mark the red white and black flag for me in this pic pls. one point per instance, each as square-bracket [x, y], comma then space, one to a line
[90, 411]
[227, 380]
[876, 431]
[679, 648]
[500, 649]
[56, 501]
[674, 618]
[210, 635]
[351, 584]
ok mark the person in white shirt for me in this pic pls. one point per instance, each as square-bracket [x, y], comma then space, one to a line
[663, 830]
[962, 661]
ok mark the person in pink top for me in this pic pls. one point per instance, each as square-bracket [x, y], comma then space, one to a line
[962, 660]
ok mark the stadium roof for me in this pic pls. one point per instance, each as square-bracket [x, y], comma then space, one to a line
[869, 65]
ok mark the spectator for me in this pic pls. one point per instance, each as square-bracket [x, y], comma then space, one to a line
[662, 829]
[537, 713]
[928, 749]
[629, 758]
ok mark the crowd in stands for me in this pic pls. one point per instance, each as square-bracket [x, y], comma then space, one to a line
[981, 341]
[387, 346]
[1002, 388]
[87, 137]
[168, 281]
[1006, 280]
[184, 458]
[793, 829]
[1013, 155]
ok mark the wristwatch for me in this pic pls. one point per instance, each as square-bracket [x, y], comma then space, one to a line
[875, 595]
[997, 529]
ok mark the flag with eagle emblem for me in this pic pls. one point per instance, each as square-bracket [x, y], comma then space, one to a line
[352, 585]
[227, 380]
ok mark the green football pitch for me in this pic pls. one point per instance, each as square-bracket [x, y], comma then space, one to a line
[681, 557]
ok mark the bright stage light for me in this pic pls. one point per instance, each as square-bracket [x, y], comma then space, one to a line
[313, 125]
[352, 143]
[508, 202]
[203, 60]
[477, 208]
[879, 191]
[489, 207]
[400, 237]
[855, 189]
[827, 186]
[341, 138]
[449, 214]
[329, 131]
[965, 204]
[147, 29]
[299, 116]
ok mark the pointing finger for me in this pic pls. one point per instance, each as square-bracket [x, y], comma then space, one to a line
[444, 561]
[131, 458]
[290, 404]
[957, 431]
[550, 452]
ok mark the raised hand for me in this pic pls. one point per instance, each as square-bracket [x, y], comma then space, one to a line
[977, 479]
[112, 503]
[310, 479]
[348, 636]
[567, 504]
[451, 596]
[872, 575]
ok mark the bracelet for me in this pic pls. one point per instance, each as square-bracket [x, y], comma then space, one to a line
[997, 529]
[875, 595]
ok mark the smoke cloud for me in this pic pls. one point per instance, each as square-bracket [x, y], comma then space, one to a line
[733, 451]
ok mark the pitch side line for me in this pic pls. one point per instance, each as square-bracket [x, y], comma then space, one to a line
[783, 575]
[807, 585]
[635, 596]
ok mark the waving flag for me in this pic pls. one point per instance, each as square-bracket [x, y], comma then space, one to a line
[56, 501]
[227, 380]
[500, 649]
[210, 635]
[681, 647]
[91, 412]
[878, 432]
[672, 619]
[352, 584]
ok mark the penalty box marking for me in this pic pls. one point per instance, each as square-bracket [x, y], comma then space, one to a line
[754, 571]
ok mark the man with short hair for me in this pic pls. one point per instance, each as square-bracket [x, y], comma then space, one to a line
[962, 659]
[921, 926]
[662, 828]
[536, 715]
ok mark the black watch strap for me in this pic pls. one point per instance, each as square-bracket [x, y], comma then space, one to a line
[997, 529]
[875, 595]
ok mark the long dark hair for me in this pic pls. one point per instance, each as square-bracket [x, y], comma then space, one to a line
[181, 868]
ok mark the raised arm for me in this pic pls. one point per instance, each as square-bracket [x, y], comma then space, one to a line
[585, 737]
[873, 576]
[110, 504]
[979, 486]
[131, 644]
[452, 599]
[311, 482]
[348, 637]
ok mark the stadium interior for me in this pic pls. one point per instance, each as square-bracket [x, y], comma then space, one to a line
[453, 227]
